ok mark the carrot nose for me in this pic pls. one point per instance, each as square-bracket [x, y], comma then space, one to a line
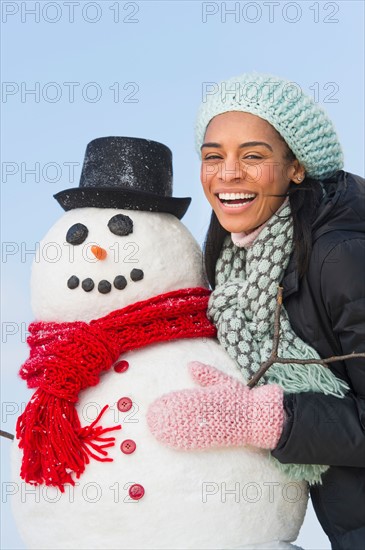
[99, 253]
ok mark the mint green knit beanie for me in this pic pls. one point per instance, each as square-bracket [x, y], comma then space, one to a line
[301, 122]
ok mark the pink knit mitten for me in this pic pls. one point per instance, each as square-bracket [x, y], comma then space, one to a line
[223, 413]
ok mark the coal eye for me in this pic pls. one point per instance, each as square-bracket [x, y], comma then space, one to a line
[77, 233]
[120, 225]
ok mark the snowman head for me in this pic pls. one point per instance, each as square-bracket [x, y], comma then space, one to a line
[96, 260]
[120, 240]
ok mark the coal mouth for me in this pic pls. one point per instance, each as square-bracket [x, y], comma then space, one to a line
[104, 286]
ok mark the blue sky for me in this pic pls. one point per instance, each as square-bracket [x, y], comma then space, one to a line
[138, 69]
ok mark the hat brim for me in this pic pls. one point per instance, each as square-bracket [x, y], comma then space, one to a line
[125, 199]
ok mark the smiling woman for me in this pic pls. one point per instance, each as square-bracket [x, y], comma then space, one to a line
[284, 213]
[271, 168]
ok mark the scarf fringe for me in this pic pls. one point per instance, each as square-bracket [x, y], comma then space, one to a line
[296, 378]
[311, 473]
[54, 443]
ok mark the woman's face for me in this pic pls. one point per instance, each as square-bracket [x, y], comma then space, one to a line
[244, 163]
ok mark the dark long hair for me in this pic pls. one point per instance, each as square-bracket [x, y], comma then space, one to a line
[304, 201]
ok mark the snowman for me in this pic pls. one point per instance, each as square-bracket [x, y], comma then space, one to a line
[119, 317]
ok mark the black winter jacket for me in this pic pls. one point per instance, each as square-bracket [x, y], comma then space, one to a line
[327, 310]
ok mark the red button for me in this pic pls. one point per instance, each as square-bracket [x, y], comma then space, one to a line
[136, 491]
[121, 366]
[128, 446]
[124, 404]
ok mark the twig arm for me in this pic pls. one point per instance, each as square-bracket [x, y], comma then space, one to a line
[276, 338]
[6, 434]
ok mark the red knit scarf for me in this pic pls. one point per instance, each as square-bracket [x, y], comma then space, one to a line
[66, 358]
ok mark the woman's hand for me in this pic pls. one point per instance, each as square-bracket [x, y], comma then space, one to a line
[223, 413]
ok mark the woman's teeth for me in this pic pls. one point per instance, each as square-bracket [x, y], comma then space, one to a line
[235, 200]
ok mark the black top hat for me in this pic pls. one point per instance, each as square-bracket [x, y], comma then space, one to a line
[128, 173]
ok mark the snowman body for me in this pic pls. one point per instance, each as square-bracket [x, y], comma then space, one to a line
[217, 498]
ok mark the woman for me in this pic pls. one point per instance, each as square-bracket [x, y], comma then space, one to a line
[285, 213]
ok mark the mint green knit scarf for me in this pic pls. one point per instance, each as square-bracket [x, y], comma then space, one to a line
[242, 307]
